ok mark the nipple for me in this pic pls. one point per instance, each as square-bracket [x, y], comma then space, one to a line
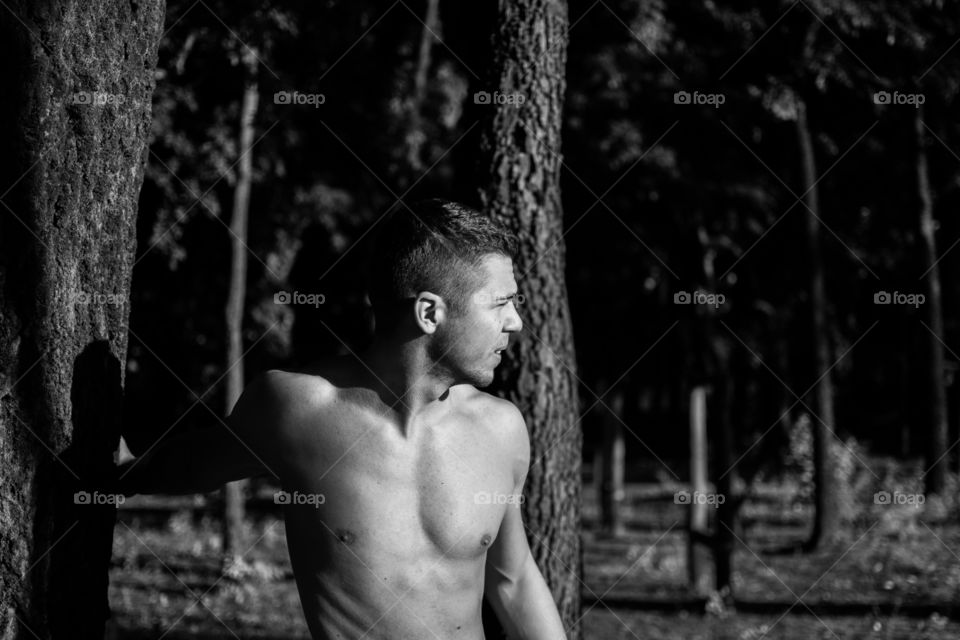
[485, 541]
[345, 536]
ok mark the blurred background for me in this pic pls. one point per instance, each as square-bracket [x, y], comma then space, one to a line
[759, 211]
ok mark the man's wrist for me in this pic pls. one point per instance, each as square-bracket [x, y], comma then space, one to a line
[125, 481]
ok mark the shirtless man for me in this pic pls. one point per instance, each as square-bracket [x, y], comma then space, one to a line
[402, 479]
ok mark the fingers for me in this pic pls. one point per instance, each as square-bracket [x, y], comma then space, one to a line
[123, 452]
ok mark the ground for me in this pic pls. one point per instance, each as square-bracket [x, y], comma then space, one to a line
[895, 575]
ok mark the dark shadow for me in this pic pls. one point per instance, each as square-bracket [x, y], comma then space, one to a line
[74, 504]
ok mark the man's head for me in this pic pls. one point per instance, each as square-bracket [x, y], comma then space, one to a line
[446, 271]
[437, 246]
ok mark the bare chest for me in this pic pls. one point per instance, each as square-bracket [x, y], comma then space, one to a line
[442, 495]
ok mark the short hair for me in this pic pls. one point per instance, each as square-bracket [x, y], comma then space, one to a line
[433, 245]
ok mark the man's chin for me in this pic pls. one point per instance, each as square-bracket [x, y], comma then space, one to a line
[480, 379]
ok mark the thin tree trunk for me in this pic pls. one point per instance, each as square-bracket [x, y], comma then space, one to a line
[722, 540]
[233, 522]
[598, 475]
[730, 387]
[826, 524]
[520, 172]
[697, 524]
[74, 125]
[903, 378]
[614, 451]
[415, 134]
[937, 475]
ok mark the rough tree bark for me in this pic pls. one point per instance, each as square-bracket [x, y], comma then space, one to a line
[234, 492]
[520, 166]
[939, 429]
[74, 126]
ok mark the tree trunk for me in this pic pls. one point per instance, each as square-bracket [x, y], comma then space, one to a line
[614, 453]
[937, 473]
[727, 388]
[520, 172]
[826, 525]
[74, 125]
[598, 475]
[234, 492]
[415, 134]
[698, 577]
[723, 385]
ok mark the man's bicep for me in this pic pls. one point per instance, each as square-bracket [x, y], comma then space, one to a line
[510, 550]
[235, 455]
[249, 434]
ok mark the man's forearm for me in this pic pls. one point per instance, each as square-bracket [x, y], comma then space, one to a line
[175, 466]
[525, 606]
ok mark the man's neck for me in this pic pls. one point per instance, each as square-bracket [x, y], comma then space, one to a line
[408, 381]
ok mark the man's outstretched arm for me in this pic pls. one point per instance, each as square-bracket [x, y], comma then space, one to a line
[513, 584]
[208, 458]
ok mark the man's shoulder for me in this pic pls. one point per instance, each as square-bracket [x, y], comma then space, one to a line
[493, 411]
[293, 388]
[280, 380]
[473, 399]
[504, 422]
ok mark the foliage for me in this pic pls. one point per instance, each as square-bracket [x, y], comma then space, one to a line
[660, 198]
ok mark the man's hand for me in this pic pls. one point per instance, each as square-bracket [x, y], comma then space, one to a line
[122, 459]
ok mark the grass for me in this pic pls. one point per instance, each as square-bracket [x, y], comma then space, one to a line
[896, 575]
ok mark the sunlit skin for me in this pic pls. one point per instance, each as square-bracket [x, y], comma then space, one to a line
[419, 473]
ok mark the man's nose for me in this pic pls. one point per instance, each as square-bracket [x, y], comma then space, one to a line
[513, 323]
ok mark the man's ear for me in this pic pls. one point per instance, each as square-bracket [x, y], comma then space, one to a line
[429, 311]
